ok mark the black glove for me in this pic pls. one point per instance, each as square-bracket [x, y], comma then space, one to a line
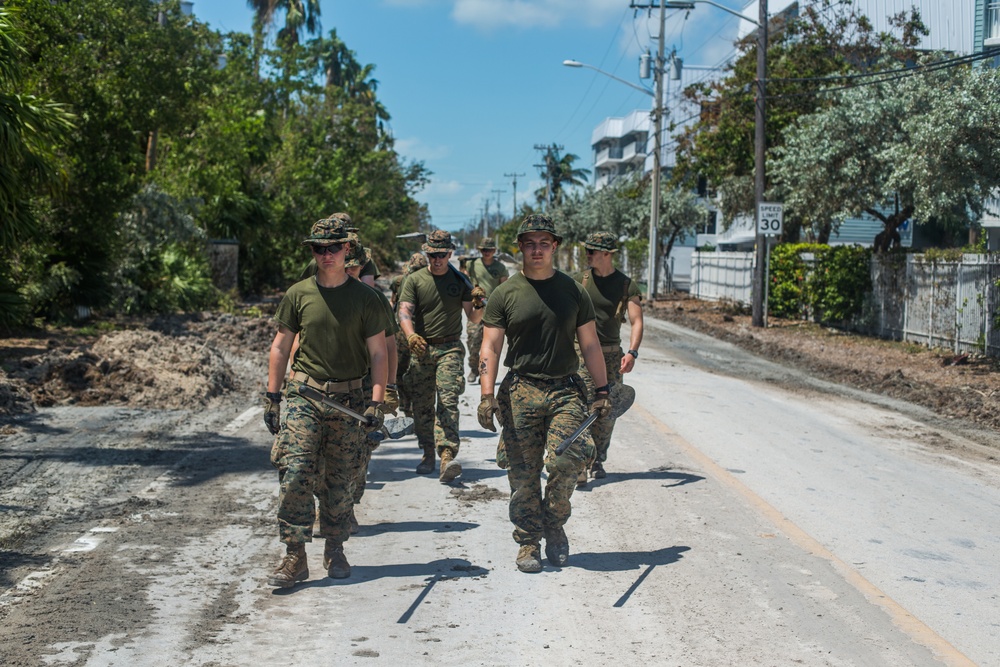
[272, 411]
[374, 416]
[488, 407]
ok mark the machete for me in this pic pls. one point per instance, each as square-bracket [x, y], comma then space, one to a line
[622, 397]
[391, 428]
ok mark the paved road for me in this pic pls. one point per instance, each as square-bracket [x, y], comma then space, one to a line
[749, 520]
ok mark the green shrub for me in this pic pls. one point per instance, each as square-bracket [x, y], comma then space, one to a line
[818, 282]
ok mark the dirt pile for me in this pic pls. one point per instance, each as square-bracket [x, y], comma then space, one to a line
[959, 386]
[174, 362]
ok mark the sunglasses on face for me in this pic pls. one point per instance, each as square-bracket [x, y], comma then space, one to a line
[332, 249]
[437, 255]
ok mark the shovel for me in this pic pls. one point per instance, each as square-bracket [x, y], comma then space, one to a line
[391, 428]
[622, 397]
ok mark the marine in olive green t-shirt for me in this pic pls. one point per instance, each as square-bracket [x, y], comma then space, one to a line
[540, 319]
[333, 324]
[437, 302]
[487, 277]
[607, 293]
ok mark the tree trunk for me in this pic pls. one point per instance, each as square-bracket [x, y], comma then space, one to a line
[889, 237]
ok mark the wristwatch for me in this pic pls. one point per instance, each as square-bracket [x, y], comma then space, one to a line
[273, 396]
[634, 353]
[606, 389]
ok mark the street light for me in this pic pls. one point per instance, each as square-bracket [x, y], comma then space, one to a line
[654, 209]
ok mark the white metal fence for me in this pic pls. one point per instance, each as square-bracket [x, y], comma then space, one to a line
[942, 304]
[720, 276]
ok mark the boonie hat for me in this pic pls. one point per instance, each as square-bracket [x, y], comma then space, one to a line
[488, 243]
[357, 256]
[417, 261]
[346, 219]
[605, 241]
[538, 223]
[326, 232]
[438, 241]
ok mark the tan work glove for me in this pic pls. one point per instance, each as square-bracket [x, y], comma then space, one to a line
[418, 346]
[488, 407]
[374, 416]
[391, 403]
[272, 411]
[601, 405]
[478, 297]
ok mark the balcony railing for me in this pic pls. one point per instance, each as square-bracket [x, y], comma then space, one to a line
[992, 24]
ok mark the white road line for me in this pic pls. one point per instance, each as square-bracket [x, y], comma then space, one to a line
[243, 419]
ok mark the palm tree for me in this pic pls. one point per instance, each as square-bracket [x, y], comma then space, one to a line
[299, 14]
[557, 171]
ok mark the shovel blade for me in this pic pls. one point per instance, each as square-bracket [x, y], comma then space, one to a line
[622, 397]
[393, 429]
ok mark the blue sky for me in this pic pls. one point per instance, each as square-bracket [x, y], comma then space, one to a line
[473, 85]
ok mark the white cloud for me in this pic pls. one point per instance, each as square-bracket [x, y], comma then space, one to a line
[437, 187]
[416, 149]
[491, 14]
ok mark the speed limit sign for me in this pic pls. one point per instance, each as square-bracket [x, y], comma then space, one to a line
[769, 217]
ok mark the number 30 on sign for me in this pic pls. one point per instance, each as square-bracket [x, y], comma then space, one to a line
[769, 217]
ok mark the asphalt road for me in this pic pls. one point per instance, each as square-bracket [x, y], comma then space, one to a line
[750, 516]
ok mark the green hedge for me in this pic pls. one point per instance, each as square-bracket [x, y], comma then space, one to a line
[818, 282]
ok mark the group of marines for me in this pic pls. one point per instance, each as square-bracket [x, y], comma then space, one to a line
[347, 341]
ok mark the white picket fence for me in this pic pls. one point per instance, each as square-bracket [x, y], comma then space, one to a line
[936, 303]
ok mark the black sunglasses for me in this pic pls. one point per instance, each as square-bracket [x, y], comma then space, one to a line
[437, 255]
[590, 251]
[332, 248]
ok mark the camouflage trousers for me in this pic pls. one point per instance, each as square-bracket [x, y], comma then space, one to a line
[437, 374]
[402, 381]
[602, 428]
[365, 451]
[474, 338]
[536, 415]
[318, 450]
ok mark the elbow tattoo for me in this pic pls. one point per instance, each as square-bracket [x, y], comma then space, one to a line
[482, 366]
[406, 311]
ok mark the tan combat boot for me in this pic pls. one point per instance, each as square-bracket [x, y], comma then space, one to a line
[426, 465]
[450, 468]
[529, 558]
[335, 561]
[293, 568]
[556, 546]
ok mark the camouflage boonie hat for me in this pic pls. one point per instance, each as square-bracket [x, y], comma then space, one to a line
[417, 262]
[538, 223]
[605, 241]
[327, 232]
[357, 256]
[488, 243]
[346, 219]
[438, 241]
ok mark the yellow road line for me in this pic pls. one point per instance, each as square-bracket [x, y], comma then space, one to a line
[904, 620]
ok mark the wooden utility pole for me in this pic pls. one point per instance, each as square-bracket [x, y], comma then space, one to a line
[514, 176]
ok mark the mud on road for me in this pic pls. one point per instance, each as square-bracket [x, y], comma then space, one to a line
[137, 432]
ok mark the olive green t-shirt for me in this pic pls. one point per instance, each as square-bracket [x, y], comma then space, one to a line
[369, 269]
[606, 293]
[333, 324]
[393, 326]
[540, 318]
[487, 277]
[437, 302]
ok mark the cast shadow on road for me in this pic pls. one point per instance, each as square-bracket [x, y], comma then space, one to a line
[12, 559]
[627, 560]
[442, 569]
[479, 433]
[680, 478]
[416, 526]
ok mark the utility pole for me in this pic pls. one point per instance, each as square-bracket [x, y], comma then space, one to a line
[498, 193]
[514, 176]
[484, 223]
[760, 149]
[548, 167]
